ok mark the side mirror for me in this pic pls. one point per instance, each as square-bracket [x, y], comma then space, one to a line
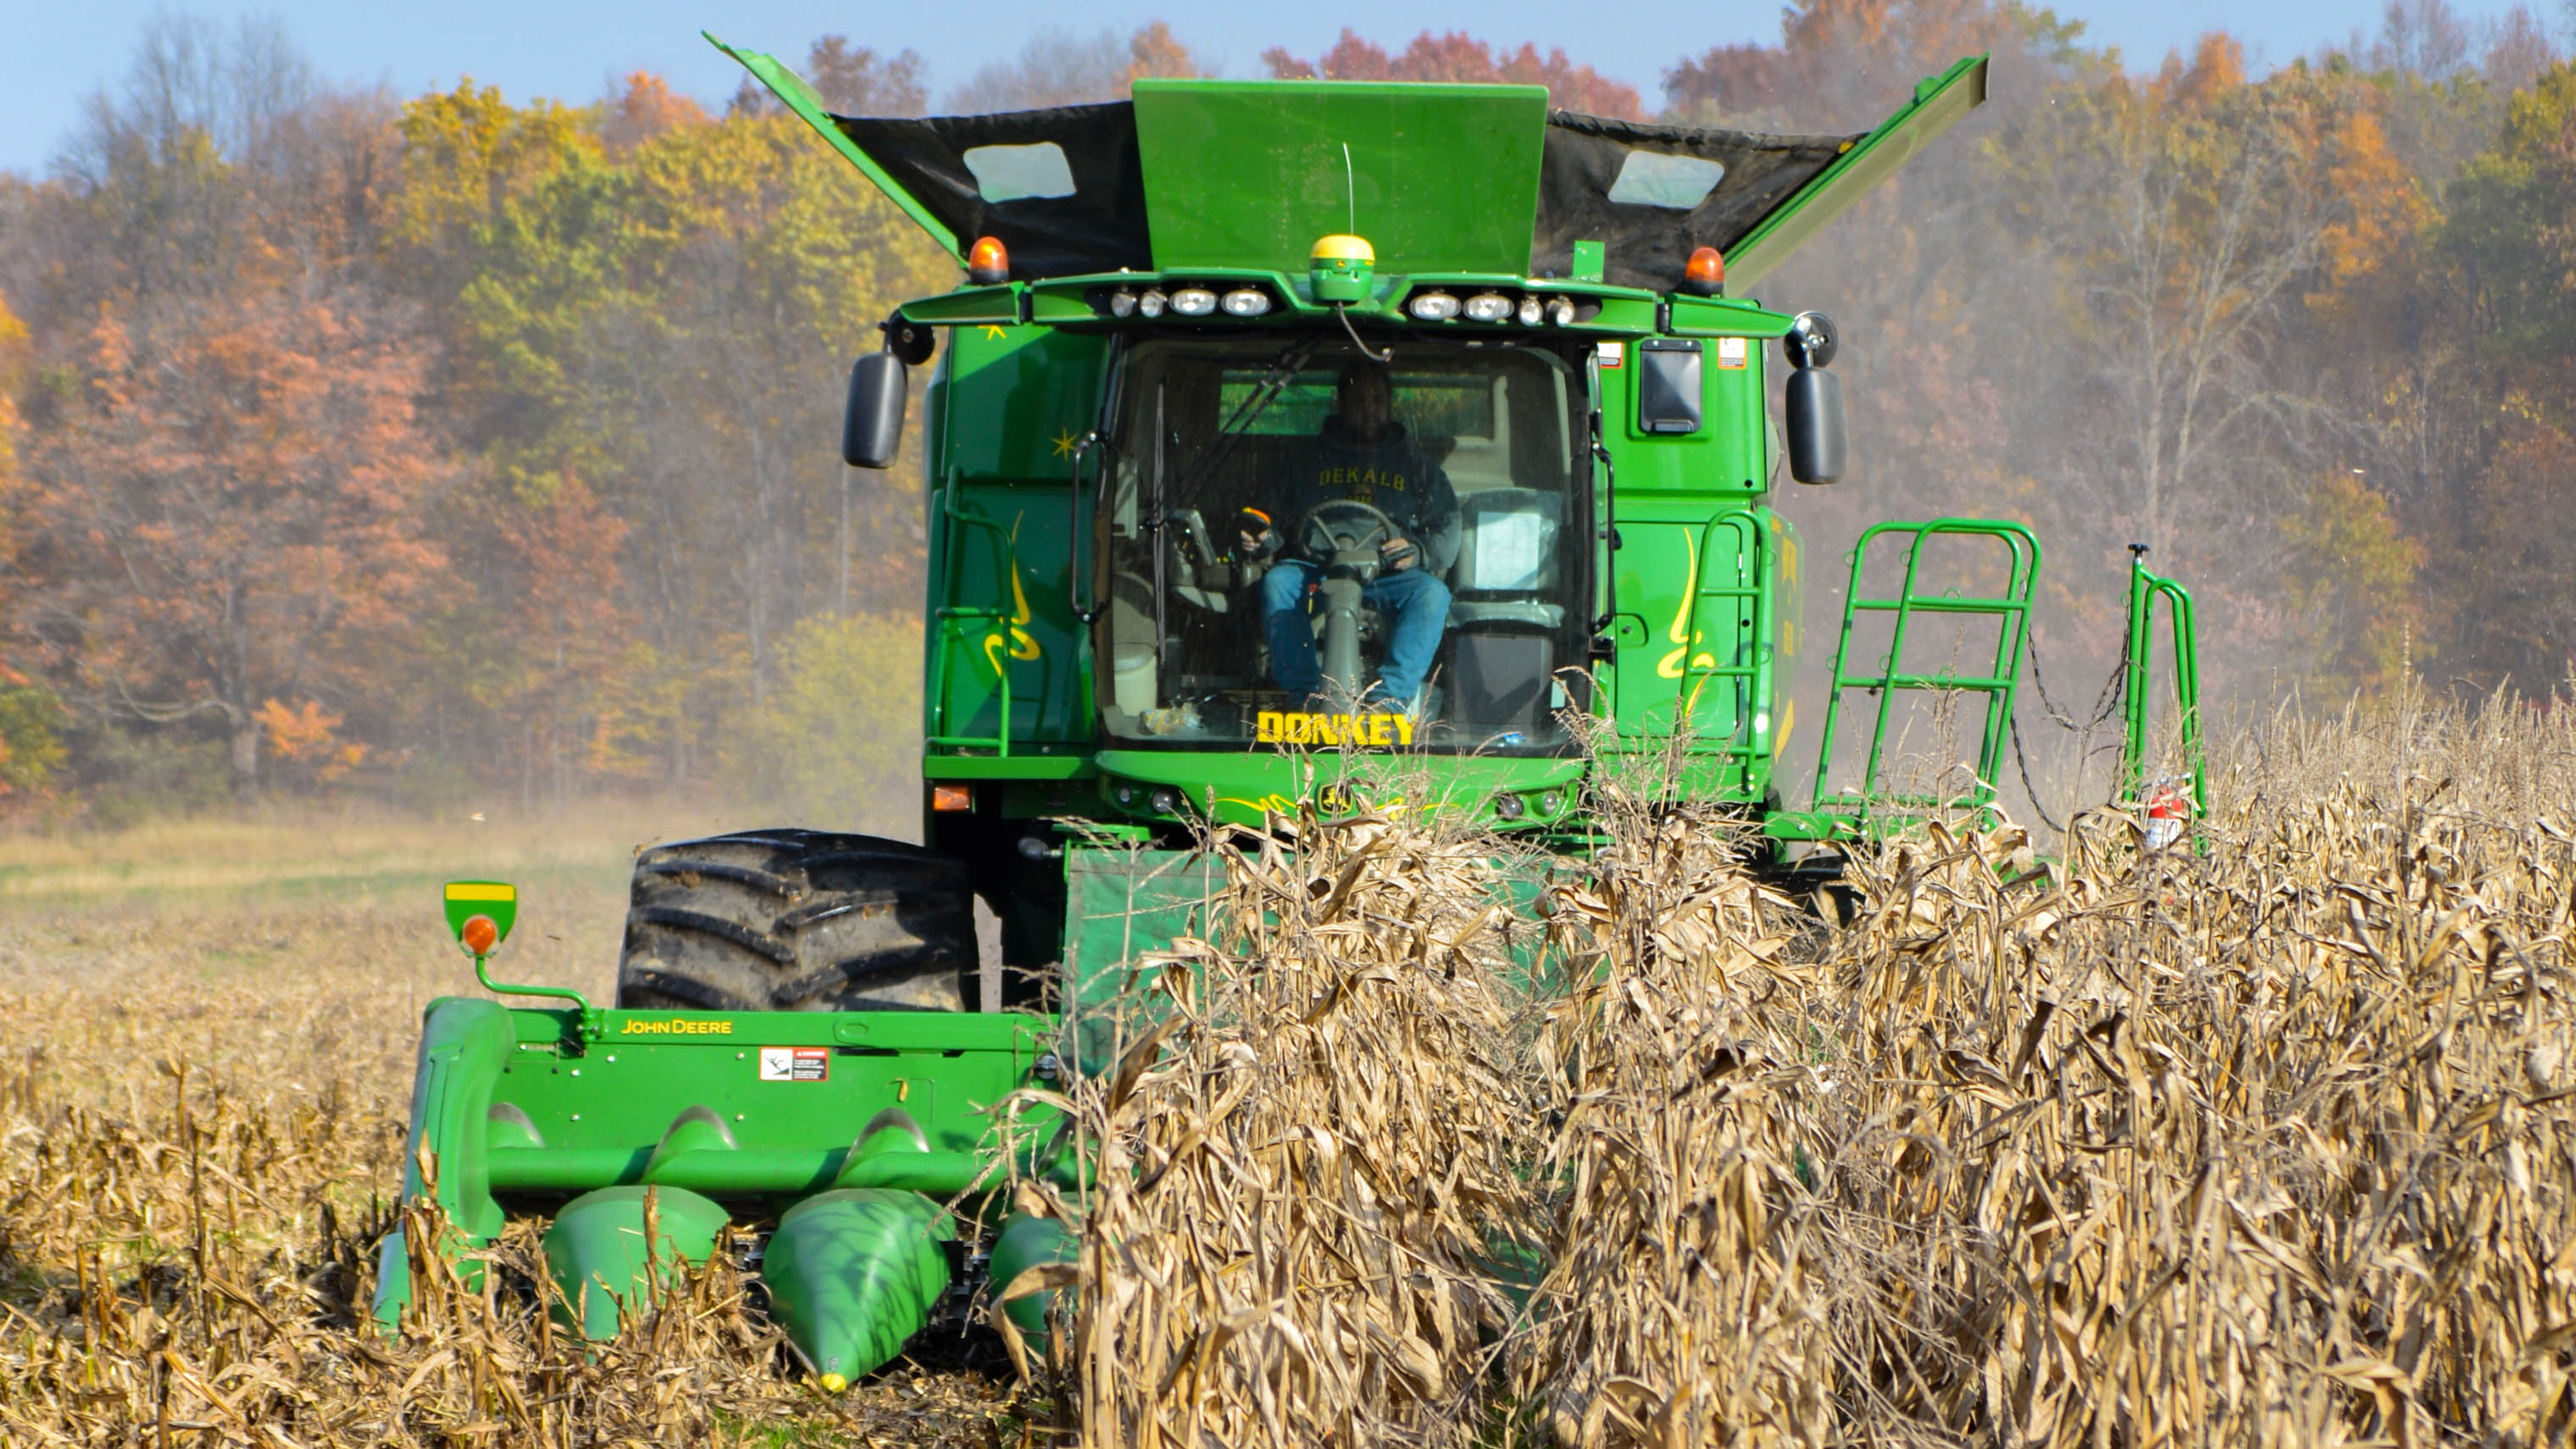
[872, 428]
[1813, 410]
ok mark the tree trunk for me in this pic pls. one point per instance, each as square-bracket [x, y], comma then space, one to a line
[245, 755]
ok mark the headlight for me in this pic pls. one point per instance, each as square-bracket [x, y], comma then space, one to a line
[1531, 308]
[1489, 307]
[1509, 807]
[1166, 801]
[1560, 311]
[1551, 802]
[1121, 302]
[1152, 304]
[1246, 302]
[1194, 301]
[1432, 306]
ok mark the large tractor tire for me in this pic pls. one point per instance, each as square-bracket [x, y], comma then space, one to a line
[797, 920]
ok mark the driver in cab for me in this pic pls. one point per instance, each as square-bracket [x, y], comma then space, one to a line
[1362, 455]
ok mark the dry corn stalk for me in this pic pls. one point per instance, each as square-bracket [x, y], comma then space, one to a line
[1307, 1170]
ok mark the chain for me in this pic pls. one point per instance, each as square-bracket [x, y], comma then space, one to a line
[2114, 691]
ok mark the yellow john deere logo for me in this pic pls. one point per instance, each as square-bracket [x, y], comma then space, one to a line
[1671, 665]
[1018, 640]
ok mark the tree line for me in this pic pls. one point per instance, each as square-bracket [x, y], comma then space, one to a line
[454, 444]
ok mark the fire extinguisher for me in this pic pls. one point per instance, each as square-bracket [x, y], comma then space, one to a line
[2168, 814]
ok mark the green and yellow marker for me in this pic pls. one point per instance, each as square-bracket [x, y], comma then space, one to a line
[480, 914]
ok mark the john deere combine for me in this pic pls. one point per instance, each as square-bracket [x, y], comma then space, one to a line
[1286, 439]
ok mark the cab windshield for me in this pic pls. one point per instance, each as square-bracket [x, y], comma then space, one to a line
[1302, 545]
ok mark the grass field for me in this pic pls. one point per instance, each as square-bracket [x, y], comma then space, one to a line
[2270, 1143]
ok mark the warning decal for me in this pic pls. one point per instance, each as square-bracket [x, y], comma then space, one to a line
[795, 1064]
[1731, 352]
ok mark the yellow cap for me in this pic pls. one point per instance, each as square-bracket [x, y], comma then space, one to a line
[1340, 248]
[834, 1383]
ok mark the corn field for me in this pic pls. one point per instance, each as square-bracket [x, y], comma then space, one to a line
[2264, 1143]
[2267, 1140]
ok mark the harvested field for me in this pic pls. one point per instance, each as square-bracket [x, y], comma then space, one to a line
[2273, 1144]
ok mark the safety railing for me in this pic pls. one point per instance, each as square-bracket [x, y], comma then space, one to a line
[2011, 611]
[2145, 588]
[1733, 564]
[957, 623]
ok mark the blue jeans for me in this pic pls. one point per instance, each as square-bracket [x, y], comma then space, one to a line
[1413, 601]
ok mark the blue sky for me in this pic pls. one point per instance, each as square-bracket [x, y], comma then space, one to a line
[57, 53]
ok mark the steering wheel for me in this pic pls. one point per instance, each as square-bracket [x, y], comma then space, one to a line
[1333, 531]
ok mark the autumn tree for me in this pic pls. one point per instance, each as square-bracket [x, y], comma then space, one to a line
[2508, 247]
[854, 81]
[31, 747]
[1457, 56]
[234, 510]
[228, 490]
[1059, 68]
[656, 327]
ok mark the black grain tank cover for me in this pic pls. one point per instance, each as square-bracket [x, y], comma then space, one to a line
[1647, 246]
[1099, 228]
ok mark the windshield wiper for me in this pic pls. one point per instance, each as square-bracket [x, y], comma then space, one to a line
[1289, 362]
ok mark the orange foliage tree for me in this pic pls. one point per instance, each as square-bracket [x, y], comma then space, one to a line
[235, 509]
[1457, 56]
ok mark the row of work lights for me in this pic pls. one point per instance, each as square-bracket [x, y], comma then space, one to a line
[1434, 305]
[1429, 305]
[1189, 302]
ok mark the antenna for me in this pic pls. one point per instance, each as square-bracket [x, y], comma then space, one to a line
[1351, 189]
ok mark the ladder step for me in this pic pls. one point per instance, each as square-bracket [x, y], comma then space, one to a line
[1924, 681]
[1939, 605]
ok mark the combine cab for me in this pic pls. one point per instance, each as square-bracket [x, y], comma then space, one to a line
[1288, 442]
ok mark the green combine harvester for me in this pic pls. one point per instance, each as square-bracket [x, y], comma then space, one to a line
[1292, 445]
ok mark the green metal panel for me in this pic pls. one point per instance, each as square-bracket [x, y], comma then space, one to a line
[463, 1047]
[1725, 691]
[998, 305]
[1063, 765]
[1026, 1242]
[615, 1248]
[1241, 784]
[1938, 104]
[1726, 455]
[1119, 904]
[1696, 589]
[1004, 639]
[1123, 903]
[614, 1102]
[853, 1273]
[1018, 399]
[1250, 173]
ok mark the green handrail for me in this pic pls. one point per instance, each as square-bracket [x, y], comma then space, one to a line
[2012, 611]
[2145, 589]
[1749, 547]
[954, 621]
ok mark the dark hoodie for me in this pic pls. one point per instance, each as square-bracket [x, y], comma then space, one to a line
[1391, 475]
